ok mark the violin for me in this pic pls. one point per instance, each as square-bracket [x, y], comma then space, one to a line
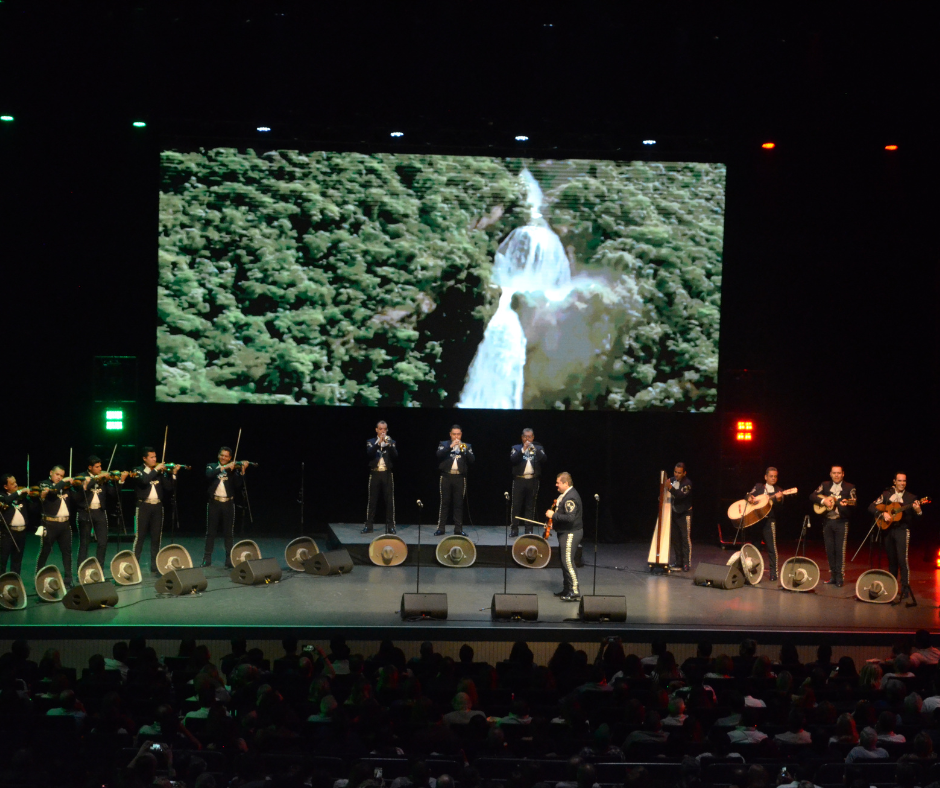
[548, 522]
[174, 465]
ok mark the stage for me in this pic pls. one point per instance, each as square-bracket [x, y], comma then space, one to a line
[365, 604]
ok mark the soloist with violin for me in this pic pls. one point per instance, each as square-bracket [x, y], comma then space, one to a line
[90, 496]
[153, 482]
[566, 517]
[895, 510]
[226, 479]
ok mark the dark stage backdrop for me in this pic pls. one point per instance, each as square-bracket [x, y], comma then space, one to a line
[828, 299]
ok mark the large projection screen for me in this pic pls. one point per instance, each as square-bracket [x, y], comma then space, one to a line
[338, 278]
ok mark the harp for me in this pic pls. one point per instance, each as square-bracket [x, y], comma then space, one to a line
[659, 548]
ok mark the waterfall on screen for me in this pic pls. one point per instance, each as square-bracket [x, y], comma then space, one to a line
[531, 259]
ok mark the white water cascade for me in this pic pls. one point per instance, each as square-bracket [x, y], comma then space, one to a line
[531, 259]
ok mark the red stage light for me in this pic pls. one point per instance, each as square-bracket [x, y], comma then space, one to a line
[745, 431]
[891, 147]
[769, 145]
[938, 559]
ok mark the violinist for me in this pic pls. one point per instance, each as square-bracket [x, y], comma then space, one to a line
[453, 459]
[15, 514]
[381, 455]
[153, 486]
[567, 517]
[226, 479]
[527, 459]
[56, 516]
[90, 502]
[681, 535]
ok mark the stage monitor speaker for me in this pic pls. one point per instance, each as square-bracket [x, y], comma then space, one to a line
[515, 607]
[298, 551]
[335, 562]
[91, 596]
[423, 606]
[124, 568]
[49, 584]
[799, 574]
[246, 550]
[388, 550]
[12, 592]
[603, 608]
[531, 551]
[173, 556]
[876, 586]
[456, 551]
[752, 563]
[254, 573]
[182, 581]
[90, 571]
[719, 575]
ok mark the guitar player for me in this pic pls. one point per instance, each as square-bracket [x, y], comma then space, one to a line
[837, 496]
[898, 533]
[769, 487]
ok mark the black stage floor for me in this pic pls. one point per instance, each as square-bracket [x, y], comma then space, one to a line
[365, 604]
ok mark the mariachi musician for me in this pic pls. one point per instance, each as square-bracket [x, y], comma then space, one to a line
[14, 510]
[90, 503]
[567, 516]
[153, 486]
[769, 531]
[226, 480]
[56, 516]
[897, 531]
[681, 535]
[836, 497]
[381, 455]
[453, 459]
[527, 459]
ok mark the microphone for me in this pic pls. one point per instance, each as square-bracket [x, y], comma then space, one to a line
[420, 505]
[596, 497]
[506, 495]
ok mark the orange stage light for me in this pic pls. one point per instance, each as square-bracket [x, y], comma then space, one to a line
[769, 145]
[891, 147]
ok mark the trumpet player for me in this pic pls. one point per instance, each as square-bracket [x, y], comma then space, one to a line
[453, 459]
[527, 459]
[381, 455]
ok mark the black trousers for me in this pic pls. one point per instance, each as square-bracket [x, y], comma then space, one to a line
[680, 537]
[769, 532]
[93, 520]
[568, 543]
[453, 488]
[60, 534]
[12, 544]
[148, 523]
[381, 487]
[897, 543]
[220, 516]
[524, 495]
[836, 535]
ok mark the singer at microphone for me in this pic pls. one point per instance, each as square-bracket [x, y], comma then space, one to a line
[527, 459]
[381, 455]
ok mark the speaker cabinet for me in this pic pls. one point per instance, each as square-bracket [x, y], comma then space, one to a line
[335, 562]
[603, 608]
[512, 607]
[182, 581]
[423, 606]
[255, 573]
[719, 576]
[91, 596]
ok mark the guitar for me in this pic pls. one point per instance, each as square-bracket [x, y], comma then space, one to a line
[894, 509]
[821, 508]
[746, 514]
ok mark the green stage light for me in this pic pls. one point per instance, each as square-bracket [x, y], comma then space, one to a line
[114, 425]
[114, 414]
[6, 118]
[139, 124]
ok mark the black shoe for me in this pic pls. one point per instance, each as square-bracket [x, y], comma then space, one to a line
[839, 583]
[675, 566]
[514, 533]
[366, 530]
[459, 532]
[562, 592]
[906, 593]
[207, 562]
[773, 577]
[687, 568]
[830, 582]
[229, 566]
[570, 597]
[391, 530]
[439, 532]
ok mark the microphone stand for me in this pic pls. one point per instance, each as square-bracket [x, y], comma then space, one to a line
[418, 577]
[597, 518]
[506, 551]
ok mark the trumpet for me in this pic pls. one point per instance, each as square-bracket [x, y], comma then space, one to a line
[463, 447]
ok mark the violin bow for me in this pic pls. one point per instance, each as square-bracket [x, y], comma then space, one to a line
[112, 459]
[166, 432]
[70, 462]
[237, 442]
